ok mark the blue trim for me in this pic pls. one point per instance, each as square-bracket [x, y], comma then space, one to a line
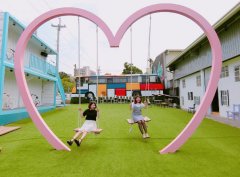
[116, 86]
[29, 71]
[33, 36]
[3, 57]
[14, 115]
[55, 93]
[60, 87]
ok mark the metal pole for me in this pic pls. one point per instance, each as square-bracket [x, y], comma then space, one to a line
[131, 57]
[59, 26]
[97, 61]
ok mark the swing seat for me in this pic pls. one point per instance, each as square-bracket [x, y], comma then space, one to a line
[97, 131]
[146, 119]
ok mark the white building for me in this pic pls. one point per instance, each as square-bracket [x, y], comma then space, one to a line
[84, 71]
[192, 68]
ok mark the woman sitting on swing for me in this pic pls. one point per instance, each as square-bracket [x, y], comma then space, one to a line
[89, 125]
[136, 107]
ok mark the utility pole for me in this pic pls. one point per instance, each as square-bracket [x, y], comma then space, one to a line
[59, 26]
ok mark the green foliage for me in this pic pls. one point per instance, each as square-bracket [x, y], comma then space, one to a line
[75, 100]
[127, 69]
[67, 82]
[63, 75]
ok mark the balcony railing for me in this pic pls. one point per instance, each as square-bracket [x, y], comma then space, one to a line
[38, 64]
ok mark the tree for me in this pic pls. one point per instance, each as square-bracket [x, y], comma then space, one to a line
[63, 75]
[67, 82]
[127, 69]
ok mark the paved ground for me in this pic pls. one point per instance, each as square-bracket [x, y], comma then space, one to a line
[234, 123]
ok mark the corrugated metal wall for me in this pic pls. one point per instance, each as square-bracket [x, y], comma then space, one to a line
[201, 58]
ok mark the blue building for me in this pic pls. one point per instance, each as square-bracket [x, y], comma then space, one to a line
[43, 80]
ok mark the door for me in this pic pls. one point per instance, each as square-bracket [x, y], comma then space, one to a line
[215, 103]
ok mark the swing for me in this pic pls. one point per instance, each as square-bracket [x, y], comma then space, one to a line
[98, 130]
[146, 119]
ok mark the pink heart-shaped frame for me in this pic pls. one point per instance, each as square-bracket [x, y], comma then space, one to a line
[114, 42]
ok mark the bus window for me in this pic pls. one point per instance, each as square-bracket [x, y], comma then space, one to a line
[119, 80]
[153, 79]
[134, 79]
[109, 80]
[140, 79]
[92, 80]
[102, 81]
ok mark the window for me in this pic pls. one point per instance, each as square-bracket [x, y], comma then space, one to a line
[119, 80]
[224, 97]
[198, 81]
[237, 73]
[92, 80]
[197, 100]
[109, 80]
[134, 79]
[102, 81]
[183, 83]
[224, 72]
[190, 95]
[144, 79]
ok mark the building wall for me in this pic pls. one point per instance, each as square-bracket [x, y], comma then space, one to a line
[225, 83]
[42, 91]
[191, 86]
[32, 47]
[162, 60]
[1, 32]
[11, 97]
[47, 92]
[200, 57]
[233, 87]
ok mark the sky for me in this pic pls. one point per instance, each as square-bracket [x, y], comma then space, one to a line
[168, 30]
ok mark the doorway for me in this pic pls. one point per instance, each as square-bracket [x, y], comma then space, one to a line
[215, 103]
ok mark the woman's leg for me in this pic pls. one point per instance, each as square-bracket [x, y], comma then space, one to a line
[74, 137]
[77, 135]
[78, 141]
[83, 135]
[140, 126]
[145, 129]
[144, 126]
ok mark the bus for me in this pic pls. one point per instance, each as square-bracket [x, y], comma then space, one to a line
[118, 85]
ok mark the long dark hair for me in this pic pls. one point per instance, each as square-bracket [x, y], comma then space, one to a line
[90, 104]
[135, 99]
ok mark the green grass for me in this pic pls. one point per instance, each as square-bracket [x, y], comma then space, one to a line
[213, 150]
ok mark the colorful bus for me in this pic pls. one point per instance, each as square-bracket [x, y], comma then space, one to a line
[118, 85]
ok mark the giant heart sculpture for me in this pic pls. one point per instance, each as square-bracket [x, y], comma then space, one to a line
[114, 42]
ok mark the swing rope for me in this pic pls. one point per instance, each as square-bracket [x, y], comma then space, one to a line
[79, 122]
[97, 121]
[131, 63]
[130, 121]
[79, 80]
[148, 59]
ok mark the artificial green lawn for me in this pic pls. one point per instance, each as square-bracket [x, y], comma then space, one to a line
[213, 150]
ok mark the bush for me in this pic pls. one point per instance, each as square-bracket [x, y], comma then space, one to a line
[75, 100]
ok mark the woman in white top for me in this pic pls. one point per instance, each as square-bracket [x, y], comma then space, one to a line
[136, 107]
